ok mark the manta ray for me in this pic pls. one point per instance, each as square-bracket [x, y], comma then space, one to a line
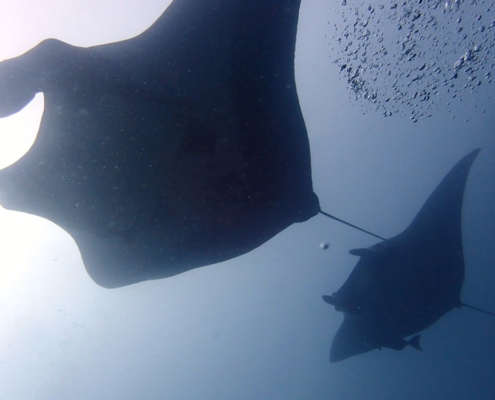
[404, 284]
[181, 147]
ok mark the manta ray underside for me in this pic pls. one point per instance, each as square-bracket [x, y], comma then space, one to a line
[182, 147]
[403, 285]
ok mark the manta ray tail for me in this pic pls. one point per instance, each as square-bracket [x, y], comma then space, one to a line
[352, 226]
[478, 309]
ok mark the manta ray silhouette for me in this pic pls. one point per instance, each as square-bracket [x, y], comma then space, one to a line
[181, 147]
[403, 285]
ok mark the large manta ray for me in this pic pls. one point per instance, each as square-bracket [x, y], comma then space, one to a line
[403, 285]
[181, 147]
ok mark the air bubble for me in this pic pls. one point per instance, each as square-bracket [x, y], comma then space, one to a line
[389, 73]
[459, 63]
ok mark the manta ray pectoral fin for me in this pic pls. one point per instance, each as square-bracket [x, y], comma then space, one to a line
[20, 80]
[399, 343]
[332, 301]
[414, 342]
[340, 305]
[360, 252]
[16, 90]
[202, 127]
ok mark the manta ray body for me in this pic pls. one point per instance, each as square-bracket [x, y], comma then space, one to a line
[182, 147]
[403, 285]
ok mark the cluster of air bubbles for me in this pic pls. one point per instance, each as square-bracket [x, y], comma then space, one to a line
[408, 57]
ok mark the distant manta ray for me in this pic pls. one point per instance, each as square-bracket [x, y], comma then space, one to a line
[404, 284]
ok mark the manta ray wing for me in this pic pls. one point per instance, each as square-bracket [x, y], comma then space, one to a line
[182, 147]
[401, 286]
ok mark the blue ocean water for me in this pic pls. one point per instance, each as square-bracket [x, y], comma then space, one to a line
[255, 326]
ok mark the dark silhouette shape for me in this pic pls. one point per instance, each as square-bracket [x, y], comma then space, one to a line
[182, 147]
[401, 286]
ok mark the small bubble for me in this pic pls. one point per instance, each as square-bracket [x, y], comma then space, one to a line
[324, 245]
